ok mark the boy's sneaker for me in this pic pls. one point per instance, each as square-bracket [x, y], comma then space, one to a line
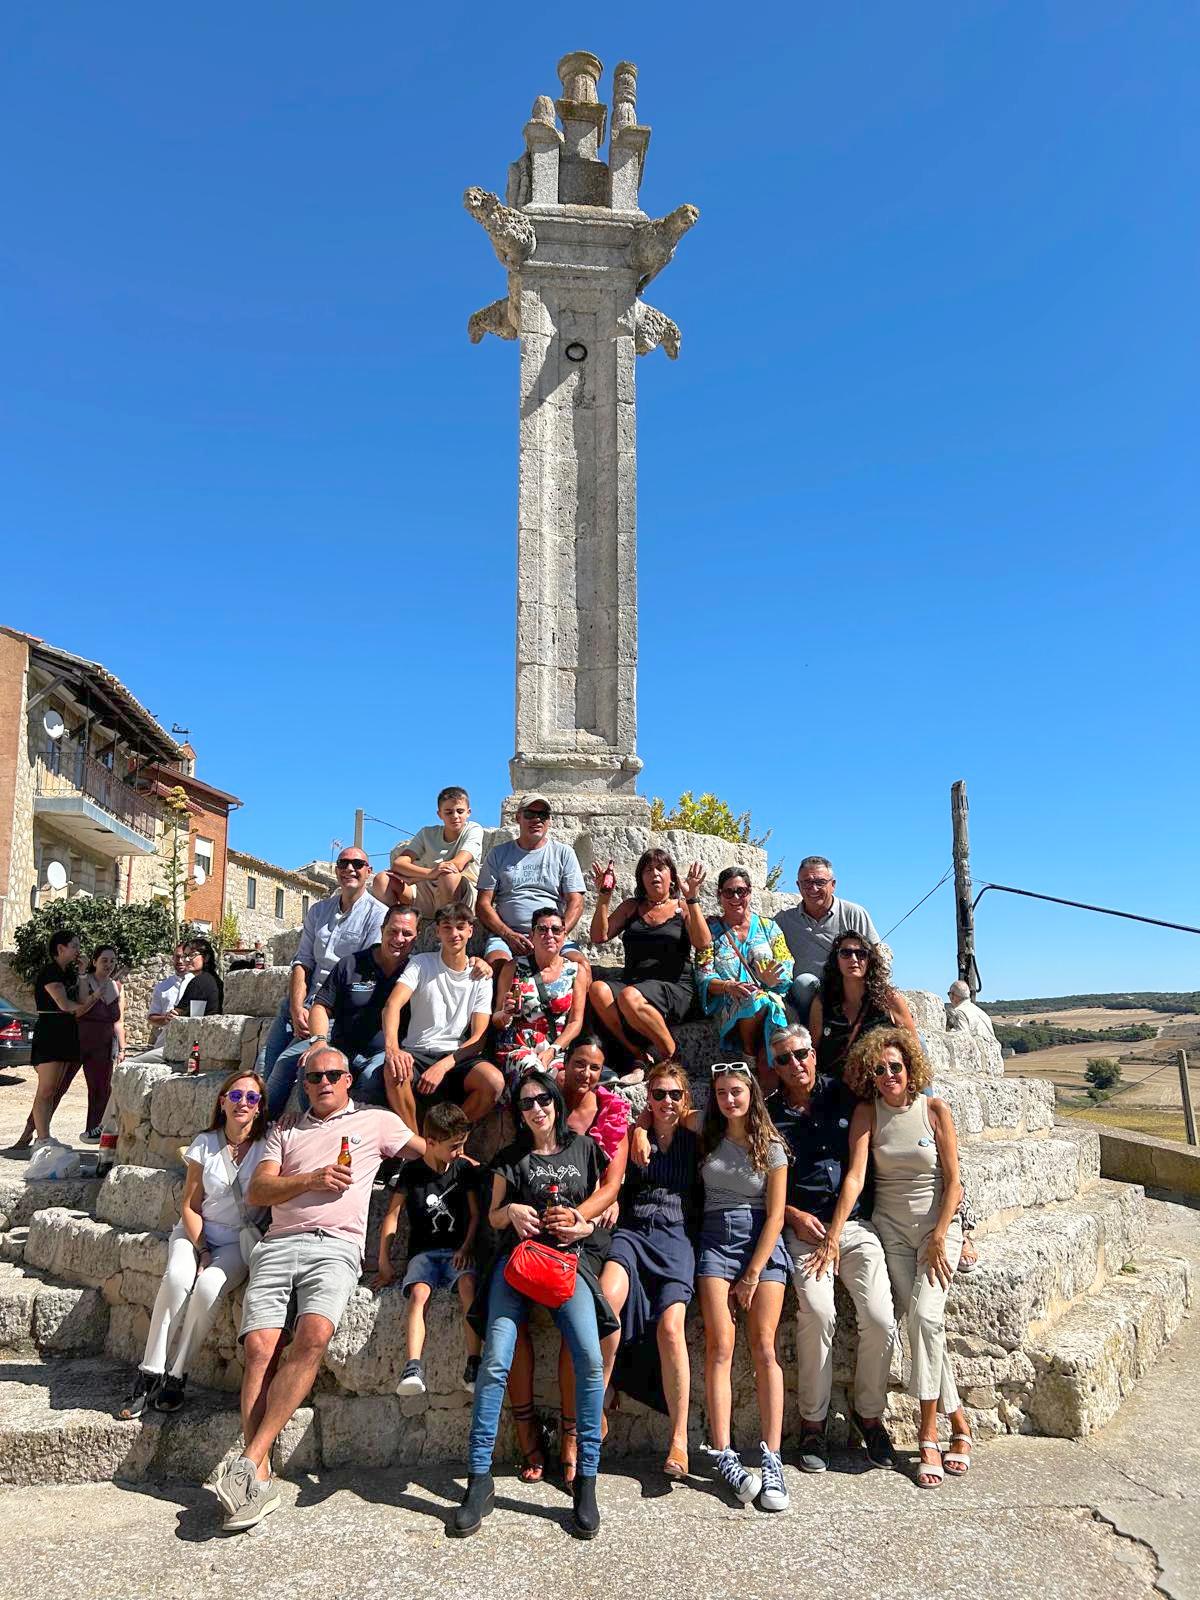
[412, 1379]
[774, 1490]
[745, 1485]
[261, 1498]
[90, 1136]
[470, 1373]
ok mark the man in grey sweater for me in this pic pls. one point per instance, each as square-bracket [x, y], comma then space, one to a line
[811, 927]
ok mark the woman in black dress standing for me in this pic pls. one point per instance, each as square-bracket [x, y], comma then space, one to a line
[659, 927]
[55, 1049]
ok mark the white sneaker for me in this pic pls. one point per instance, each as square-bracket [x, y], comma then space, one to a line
[744, 1484]
[232, 1481]
[774, 1490]
[261, 1499]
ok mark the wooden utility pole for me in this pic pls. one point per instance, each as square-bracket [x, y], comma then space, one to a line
[358, 828]
[1185, 1090]
[964, 913]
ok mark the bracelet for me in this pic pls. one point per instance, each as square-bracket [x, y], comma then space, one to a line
[694, 902]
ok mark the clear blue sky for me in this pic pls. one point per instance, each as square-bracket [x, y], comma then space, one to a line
[918, 501]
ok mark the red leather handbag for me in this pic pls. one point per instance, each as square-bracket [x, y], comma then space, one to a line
[542, 1273]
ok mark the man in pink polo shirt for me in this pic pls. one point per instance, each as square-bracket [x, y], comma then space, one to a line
[312, 1252]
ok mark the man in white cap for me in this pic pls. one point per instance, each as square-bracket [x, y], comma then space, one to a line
[520, 876]
[962, 1012]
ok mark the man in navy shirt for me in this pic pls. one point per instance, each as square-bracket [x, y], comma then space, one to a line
[813, 1115]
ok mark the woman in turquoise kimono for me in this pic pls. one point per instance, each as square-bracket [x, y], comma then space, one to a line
[744, 973]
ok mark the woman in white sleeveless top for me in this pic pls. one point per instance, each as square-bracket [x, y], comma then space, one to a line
[911, 1139]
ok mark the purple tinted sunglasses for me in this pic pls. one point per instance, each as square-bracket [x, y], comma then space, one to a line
[236, 1096]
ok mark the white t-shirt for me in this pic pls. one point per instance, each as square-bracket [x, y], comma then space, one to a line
[219, 1208]
[166, 993]
[430, 847]
[443, 1003]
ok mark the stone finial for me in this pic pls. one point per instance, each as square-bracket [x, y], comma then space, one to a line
[543, 110]
[579, 73]
[624, 95]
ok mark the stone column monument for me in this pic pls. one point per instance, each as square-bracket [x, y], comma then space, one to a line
[578, 251]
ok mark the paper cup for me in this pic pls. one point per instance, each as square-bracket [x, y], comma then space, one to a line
[196, 1008]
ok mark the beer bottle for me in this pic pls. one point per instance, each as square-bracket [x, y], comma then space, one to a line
[106, 1156]
[343, 1159]
[194, 1057]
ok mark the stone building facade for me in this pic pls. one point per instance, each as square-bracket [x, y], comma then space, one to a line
[267, 900]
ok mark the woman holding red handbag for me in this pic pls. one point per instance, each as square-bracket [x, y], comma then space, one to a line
[544, 1195]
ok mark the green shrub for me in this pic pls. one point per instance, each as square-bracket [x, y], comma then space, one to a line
[710, 814]
[138, 931]
[1103, 1073]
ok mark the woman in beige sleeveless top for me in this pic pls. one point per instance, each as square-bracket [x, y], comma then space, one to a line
[911, 1139]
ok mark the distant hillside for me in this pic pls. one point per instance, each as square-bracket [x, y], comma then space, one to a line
[1029, 1036]
[1148, 1000]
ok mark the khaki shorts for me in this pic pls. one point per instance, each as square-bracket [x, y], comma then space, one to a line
[426, 904]
[302, 1274]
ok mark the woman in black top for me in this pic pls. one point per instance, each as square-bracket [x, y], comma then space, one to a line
[658, 927]
[651, 1265]
[544, 1187]
[55, 1047]
[856, 996]
[205, 982]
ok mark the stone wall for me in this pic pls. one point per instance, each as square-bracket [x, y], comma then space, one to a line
[19, 880]
[261, 921]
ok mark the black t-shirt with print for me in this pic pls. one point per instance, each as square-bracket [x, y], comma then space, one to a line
[354, 994]
[436, 1203]
[576, 1169]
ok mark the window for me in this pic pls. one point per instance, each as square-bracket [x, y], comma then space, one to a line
[201, 927]
[304, 905]
[204, 855]
[279, 905]
[251, 893]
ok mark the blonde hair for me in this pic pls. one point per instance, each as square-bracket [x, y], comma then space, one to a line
[675, 1071]
[859, 1071]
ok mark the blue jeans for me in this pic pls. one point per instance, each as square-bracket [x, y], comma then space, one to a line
[576, 1321]
[280, 1040]
[802, 991]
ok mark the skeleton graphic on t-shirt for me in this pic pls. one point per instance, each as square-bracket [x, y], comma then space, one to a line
[439, 1212]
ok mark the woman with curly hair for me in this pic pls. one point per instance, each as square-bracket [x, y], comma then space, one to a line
[856, 996]
[910, 1137]
[742, 1266]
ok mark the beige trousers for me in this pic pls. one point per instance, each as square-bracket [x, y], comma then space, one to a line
[924, 1305]
[863, 1270]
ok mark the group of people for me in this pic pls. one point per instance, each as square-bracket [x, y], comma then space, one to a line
[819, 1153]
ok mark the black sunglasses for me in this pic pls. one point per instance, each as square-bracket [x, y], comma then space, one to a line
[852, 952]
[793, 1055]
[334, 1075]
[736, 894]
[535, 1100]
[537, 816]
[666, 1094]
[349, 861]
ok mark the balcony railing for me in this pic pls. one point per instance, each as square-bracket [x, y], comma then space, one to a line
[64, 768]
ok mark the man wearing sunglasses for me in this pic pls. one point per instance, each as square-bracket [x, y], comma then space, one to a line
[337, 926]
[312, 1255]
[811, 927]
[522, 875]
[813, 1115]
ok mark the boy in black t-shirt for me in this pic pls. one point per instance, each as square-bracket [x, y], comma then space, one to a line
[441, 1198]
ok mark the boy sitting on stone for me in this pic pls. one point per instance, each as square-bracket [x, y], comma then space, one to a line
[439, 1194]
[440, 865]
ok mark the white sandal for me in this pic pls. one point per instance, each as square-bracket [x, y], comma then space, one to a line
[929, 1469]
[952, 1458]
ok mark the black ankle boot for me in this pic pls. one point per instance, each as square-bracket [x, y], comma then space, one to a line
[585, 1520]
[478, 1502]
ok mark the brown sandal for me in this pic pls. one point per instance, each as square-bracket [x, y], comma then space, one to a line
[532, 1467]
[676, 1464]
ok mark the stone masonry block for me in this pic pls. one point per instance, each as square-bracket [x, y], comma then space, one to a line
[929, 1010]
[132, 1082]
[359, 1431]
[219, 1038]
[69, 1320]
[76, 1194]
[257, 994]
[17, 1296]
[184, 1103]
[73, 1247]
[140, 1198]
[144, 1252]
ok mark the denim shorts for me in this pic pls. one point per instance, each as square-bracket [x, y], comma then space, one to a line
[727, 1241]
[434, 1267]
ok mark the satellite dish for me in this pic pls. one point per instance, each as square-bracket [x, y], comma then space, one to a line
[56, 875]
[199, 876]
[54, 725]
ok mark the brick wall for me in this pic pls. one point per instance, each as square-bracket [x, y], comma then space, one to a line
[206, 903]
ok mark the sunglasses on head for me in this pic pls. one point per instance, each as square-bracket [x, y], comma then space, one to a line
[528, 1100]
[349, 861]
[666, 1094]
[334, 1075]
[236, 1096]
[740, 1068]
[890, 1069]
[792, 1055]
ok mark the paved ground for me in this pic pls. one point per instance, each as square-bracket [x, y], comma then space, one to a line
[17, 1085]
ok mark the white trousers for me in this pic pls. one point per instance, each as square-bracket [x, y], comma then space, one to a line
[864, 1272]
[923, 1304]
[201, 1291]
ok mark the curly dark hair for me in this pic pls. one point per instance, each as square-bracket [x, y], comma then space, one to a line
[859, 1073]
[878, 980]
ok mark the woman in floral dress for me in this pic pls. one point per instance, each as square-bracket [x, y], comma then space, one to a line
[743, 975]
[541, 999]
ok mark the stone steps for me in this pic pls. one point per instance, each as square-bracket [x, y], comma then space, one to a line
[1004, 1177]
[39, 1315]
